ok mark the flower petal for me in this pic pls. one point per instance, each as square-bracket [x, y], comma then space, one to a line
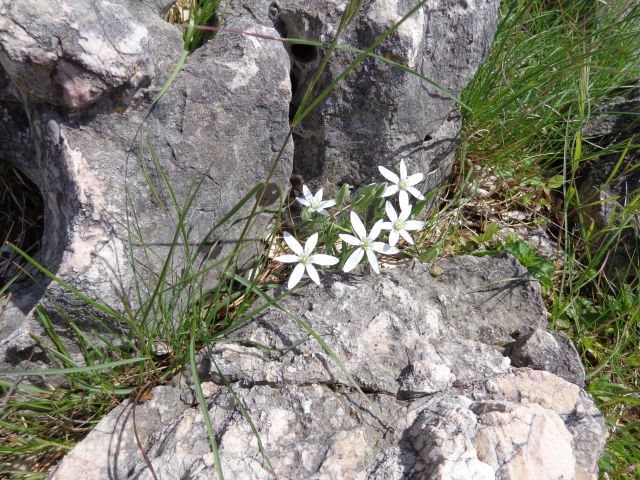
[358, 226]
[318, 195]
[404, 197]
[294, 245]
[406, 236]
[328, 204]
[373, 261]
[384, 248]
[393, 237]
[287, 258]
[387, 226]
[306, 192]
[303, 201]
[390, 190]
[391, 212]
[350, 239]
[296, 275]
[313, 273]
[403, 170]
[414, 225]
[322, 259]
[415, 192]
[389, 175]
[375, 230]
[414, 179]
[310, 244]
[353, 260]
[323, 212]
[404, 206]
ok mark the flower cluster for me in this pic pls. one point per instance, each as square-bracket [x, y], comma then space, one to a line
[398, 225]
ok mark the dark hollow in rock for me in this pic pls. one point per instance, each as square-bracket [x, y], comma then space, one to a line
[304, 53]
[21, 219]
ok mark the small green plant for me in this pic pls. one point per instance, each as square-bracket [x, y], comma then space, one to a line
[332, 228]
[539, 268]
[192, 14]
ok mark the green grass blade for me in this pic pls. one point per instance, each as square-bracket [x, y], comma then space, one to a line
[66, 371]
[97, 305]
[203, 406]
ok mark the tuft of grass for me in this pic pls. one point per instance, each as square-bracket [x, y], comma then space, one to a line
[191, 14]
[553, 68]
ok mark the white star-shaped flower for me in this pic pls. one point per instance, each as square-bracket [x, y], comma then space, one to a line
[400, 224]
[314, 202]
[304, 258]
[366, 244]
[402, 184]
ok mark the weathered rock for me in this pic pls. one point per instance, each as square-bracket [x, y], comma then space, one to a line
[70, 53]
[378, 114]
[440, 403]
[553, 352]
[82, 76]
[85, 73]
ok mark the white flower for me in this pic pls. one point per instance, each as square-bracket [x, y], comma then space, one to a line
[400, 224]
[304, 258]
[315, 202]
[402, 184]
[366, 244]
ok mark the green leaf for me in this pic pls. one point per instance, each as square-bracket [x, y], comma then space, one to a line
[343, 196]
[557, 181]
[363, 200]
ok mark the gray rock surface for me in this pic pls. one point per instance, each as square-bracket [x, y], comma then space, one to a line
[82, 78]
[378, 115]
[441, 403]
[553, 352]
[77, 77]
[71, 52]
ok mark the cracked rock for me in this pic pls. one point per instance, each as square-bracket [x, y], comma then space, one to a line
[442, 402]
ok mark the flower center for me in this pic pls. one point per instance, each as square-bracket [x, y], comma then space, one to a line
[304, 258]
[398, 225]
[314, 204]
[402, 185]
[366, 243]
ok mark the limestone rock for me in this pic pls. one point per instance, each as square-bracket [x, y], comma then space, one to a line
[553, 352]
[439, 404]
[70, 52]
[378, 114]
[82, 76]
[77, 78]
